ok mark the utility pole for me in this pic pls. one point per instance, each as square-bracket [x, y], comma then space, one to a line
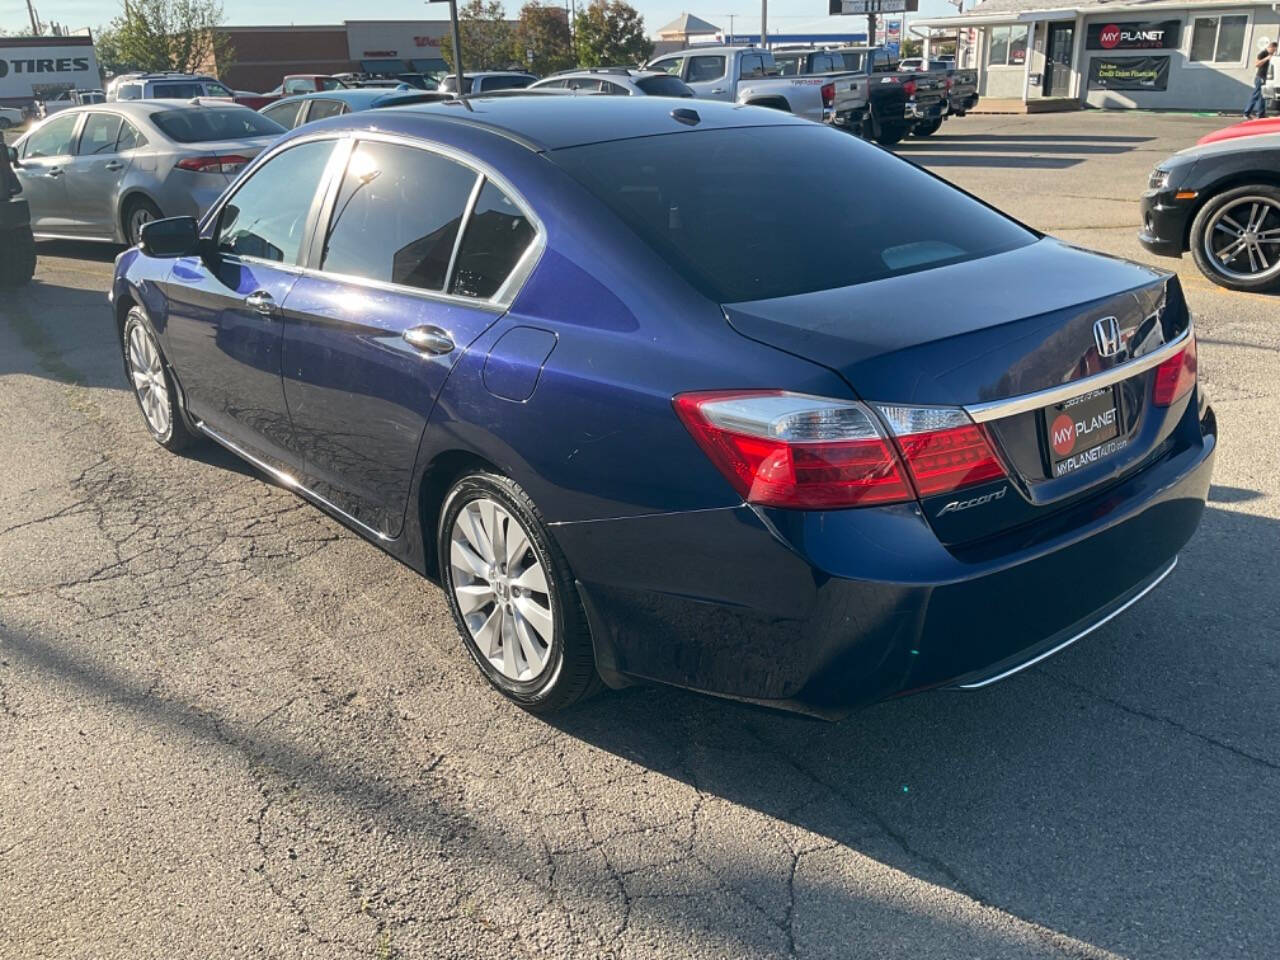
[764, 23]
[457, 44]
[871, 29]
[35, 21]
[730, 16]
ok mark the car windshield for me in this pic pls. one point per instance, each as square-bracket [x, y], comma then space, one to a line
[664, 85]
[206, 125]
[712, 204]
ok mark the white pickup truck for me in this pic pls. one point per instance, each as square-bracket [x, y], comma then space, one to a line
[748, 75]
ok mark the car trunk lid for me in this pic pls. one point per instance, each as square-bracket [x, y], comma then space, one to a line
[1008, 337]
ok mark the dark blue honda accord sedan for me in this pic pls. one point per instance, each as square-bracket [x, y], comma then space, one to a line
[705, 395]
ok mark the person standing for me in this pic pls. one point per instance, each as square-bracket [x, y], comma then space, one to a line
[1263, 65]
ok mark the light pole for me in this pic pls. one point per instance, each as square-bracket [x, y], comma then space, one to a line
[457, 44]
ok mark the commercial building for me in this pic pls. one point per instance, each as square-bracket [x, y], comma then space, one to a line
[261, 56]
[1111, 53]
[39, 67]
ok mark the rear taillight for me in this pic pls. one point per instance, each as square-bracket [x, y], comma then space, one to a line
[909, 86]
[228, 164]
[828, 94]
[792, 450]
[1176, 376]
[783, 449]
[944, 450]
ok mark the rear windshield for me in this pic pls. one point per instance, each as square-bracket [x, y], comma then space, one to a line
[760, 212]
[210, 124]
[664, 86]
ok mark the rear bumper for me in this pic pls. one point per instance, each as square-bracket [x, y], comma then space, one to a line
[924, 111]
[822, 612]
[1164, 223]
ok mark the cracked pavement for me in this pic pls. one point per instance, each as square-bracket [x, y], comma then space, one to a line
[231, 728]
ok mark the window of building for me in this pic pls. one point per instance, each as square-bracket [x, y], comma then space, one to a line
[1008, 46]
[1219, 39]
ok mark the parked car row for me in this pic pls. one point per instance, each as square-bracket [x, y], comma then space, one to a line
[659, 392]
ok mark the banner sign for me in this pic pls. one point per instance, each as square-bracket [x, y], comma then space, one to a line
[845, 8]
[46, 65]
[1129, 73]
[1135, 35]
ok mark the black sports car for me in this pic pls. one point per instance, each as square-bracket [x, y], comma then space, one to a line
[1221, 201]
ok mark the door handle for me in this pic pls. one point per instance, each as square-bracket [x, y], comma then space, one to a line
[429, 339]
[54, 172]
[717, 89]
[114, 165]
[261, 302]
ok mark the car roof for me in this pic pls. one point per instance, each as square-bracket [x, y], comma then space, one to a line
[551, 123]
[145, 108]
[494, 73]
[352, 96]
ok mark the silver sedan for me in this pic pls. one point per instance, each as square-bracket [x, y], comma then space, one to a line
[100, 172]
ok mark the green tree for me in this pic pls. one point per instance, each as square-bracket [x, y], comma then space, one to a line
[541, 40]
[610, 33]
[485, 34]
[178, 35]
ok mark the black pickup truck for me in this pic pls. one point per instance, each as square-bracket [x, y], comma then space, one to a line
[17, 246]
[926, 105]
[873, 106]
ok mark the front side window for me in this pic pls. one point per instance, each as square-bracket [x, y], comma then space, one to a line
[497, 236]
[671, 65]
[99, 135]
[266, 218]
[705, 69]
[52, 139]
[297, 85]
[205, 125]
[1219, 39]
[330, 83]
[694, 197]
[216, 90]
[396, 215]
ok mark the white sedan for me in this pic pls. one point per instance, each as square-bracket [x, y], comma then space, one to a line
[10, 117]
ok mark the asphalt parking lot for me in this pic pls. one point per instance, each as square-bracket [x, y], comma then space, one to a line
[229, 727]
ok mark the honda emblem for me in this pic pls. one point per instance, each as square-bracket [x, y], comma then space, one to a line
[1106, 334]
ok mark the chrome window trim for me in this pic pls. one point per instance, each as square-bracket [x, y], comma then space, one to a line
[515, 281]
[467, 211]
[1012, 406]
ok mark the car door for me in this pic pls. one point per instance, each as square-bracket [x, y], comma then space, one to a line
[705, 74]
[223, 329]
[94, 176]
[45, 155]
[402, 289]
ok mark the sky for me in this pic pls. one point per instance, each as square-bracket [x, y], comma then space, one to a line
[783, 14]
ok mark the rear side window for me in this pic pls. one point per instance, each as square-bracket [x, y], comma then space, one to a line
[751, 66]
[497, 235]
[824, 63]
[285, 114]
[215, 123]
[396, 216]
[130, 138]
[589, 84]
[788, 66]
[129, 91]
[52, 138]
[100, 133]
[705, 69]
[325, 108]
[695, 198]
[177, 91]
[852, 61]
[267, 217]
[664, 86]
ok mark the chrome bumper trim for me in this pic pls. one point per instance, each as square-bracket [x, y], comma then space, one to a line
[998, 409]
[979, 684]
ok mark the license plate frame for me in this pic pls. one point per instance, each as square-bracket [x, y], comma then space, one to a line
[1076, 427]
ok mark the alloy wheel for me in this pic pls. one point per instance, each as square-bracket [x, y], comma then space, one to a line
[1242, 240]
[137, 219]
[148, 380]
[500, 584]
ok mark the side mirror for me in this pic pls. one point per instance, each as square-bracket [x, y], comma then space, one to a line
[173, 237]
[13, 157]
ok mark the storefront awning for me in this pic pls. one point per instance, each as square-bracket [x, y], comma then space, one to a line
[382, 66]
[434, 65]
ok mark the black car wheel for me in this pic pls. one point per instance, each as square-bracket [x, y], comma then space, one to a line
[512, 595]
[137, 213]
[18, 264]
[927, 128]
[1235, 238]
[891, 133]
[152, 384]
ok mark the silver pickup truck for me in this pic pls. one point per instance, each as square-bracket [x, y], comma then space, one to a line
[748, 75]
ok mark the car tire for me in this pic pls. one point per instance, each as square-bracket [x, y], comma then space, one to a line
[148, 375]
[1215, 225]
[926, 128]
[138, 211]
[514, 602]
[18, 265]
[5, 123]
[891, 134]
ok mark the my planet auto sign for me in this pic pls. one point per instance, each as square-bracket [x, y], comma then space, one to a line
[26, 67]
[1135, 35]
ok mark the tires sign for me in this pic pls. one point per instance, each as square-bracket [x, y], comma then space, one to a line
[46, 65]
[1135, 35]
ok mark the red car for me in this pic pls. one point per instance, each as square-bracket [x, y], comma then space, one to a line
[1246, 128]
